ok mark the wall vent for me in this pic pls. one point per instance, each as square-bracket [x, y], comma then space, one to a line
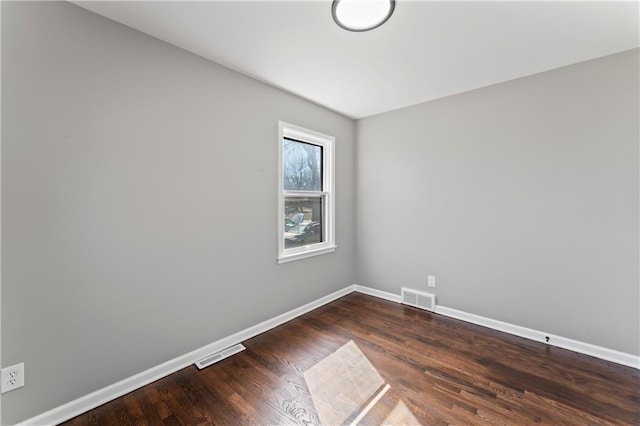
[419, 299]
[219, 356]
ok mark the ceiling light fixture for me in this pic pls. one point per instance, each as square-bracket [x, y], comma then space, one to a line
[361, 15]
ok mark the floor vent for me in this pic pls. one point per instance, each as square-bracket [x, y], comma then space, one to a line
[219, 356]
[419, 299]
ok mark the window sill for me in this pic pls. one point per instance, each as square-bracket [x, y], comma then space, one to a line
[305, 254]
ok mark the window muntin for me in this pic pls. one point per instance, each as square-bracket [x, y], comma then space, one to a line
[306, 195]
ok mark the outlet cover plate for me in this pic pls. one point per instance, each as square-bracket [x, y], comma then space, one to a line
[431, 281]
[12, 377]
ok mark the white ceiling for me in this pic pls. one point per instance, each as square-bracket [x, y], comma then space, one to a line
[427, 50]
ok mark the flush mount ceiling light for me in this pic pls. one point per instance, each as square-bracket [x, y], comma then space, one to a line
[361, 15]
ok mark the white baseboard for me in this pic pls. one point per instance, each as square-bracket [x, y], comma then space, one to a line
[539, 336]
[606, 354]
[377, 293]
[83, 404]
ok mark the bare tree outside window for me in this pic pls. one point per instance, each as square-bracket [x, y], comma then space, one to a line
[302, 166]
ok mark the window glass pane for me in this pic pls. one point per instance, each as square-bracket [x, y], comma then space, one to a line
[302, 166]
[303, 221]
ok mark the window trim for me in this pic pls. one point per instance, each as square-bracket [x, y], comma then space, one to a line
[291, 131]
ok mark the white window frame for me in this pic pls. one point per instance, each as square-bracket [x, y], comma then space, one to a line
[291, 131]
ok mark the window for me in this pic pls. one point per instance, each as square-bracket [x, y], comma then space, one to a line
[306, 207]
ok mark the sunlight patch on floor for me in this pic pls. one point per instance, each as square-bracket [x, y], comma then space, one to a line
[341, 384]
[401, 415]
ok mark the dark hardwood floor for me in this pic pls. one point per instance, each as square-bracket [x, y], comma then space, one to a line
[439, 371]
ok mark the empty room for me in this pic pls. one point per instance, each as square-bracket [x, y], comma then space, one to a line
[320, 212]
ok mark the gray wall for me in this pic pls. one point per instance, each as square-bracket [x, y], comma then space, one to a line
[139, 207]
[522, 199]
[139, 203]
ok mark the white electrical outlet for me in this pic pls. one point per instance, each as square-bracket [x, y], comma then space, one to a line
[12, 377]
[431, 281]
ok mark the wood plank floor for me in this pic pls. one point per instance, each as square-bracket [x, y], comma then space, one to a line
[439, 371]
